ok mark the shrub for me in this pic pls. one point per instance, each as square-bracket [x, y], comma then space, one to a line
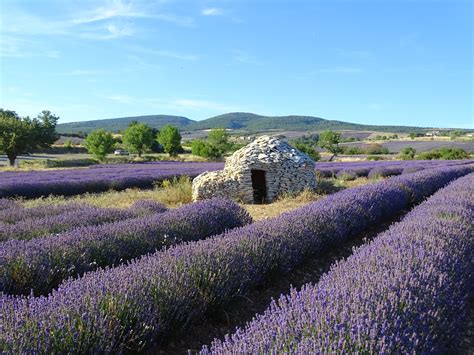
[407, 153]
[444, 153]
[204, 149]
[308, 150]
[376, 149]
[375, 158]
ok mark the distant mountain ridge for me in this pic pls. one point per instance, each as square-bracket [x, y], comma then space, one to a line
[241, 121]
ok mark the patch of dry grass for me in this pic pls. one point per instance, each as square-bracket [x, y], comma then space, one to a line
[289, 202]
[172, 193]
[282, 204]
[176, 192]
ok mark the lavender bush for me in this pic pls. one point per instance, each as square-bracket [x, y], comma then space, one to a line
[30, 228]
[96, 178]
[41, 264]
[18, 213]
[384, 172]
[148, 206]
[362, 168]
[125, 308]
[6, 204]
[406, 292]
[28, 223]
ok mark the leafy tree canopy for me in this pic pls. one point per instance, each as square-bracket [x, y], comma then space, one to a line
[170, 139]
[330, 140]
[99, 143]
[21, 135]
[138, 138]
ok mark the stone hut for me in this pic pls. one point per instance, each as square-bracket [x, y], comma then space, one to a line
[258, 173]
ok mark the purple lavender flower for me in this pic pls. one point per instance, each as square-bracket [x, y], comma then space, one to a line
[40, 264]
[405, 292]
[96, 178]
[124, 308]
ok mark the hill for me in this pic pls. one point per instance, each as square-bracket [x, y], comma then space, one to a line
[119, 124]
[241, 121]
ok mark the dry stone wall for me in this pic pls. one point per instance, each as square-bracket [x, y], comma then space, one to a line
[285, 168]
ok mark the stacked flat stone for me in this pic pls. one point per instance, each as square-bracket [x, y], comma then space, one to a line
[286, 170]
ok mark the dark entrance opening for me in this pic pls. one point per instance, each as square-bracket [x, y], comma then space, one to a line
[259, 186]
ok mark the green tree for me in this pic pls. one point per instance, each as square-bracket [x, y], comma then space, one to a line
[138, 138]
[330, 140]
[219, 138]
[99, 143]
[204, 149]
[407, 153]
[170, 139]
[22, 135]
[455, 134]
[308, 150]
[68, 144]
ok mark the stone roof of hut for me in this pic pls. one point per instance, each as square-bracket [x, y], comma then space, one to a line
[271, 150]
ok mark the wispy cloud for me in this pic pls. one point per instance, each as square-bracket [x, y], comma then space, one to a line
[130, 9]
[245, 58]
[212, 11]
[123, 99]
[375, 106]
[16, 47]
[165, 53]
[108, 31]
[102, 22]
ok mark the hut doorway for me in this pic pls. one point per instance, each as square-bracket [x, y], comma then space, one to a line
[259, 186]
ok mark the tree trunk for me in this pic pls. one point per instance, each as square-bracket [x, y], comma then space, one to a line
[11, 159]
[332, 157]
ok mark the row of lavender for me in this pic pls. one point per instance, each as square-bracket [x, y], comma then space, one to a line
[17, 222]
[41, 264]
[352, 170]
[96, 179]
[406, 292]
[120, 176]
[126, 307]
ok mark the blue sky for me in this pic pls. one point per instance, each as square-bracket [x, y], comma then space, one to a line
[375, 61]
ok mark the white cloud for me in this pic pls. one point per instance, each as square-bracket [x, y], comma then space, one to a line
[165, 53]
[123, 99]
[245, 58]
[131, 9]
[17, 47]
[212, 11]
[89, 23]
[375, 106]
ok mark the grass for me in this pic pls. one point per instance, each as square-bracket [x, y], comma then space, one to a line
[172, 193]
[177, 192]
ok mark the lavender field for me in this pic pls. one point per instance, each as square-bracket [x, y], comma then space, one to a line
[96, 178]
[80, 279]
[99, 178]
